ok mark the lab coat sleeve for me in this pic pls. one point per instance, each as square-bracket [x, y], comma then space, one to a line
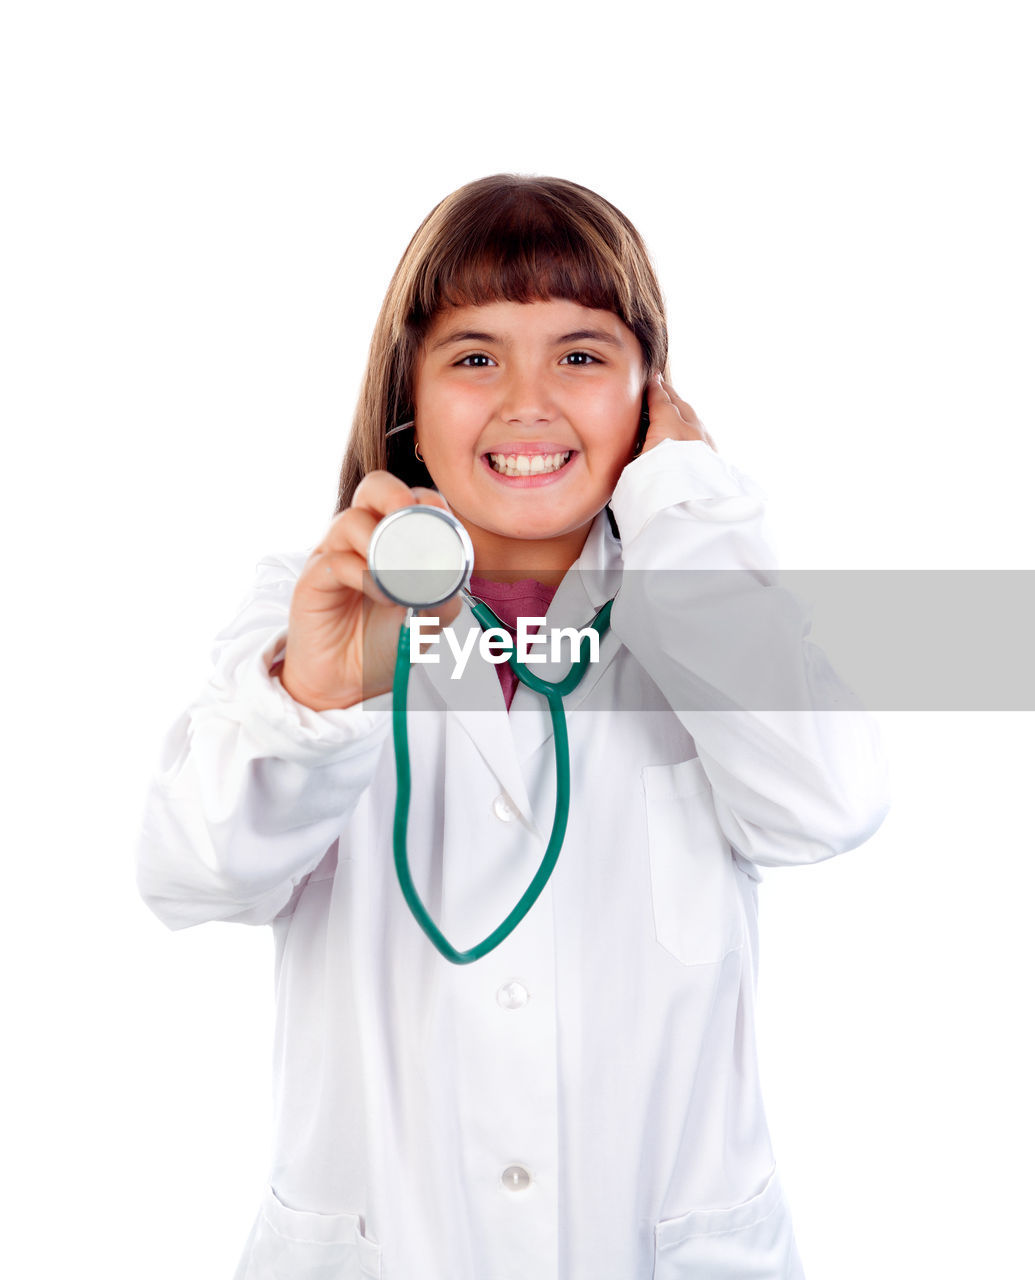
[795, 764]
[252, 788]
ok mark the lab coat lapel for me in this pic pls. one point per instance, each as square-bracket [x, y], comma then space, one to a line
[476, 702]
[590, 583]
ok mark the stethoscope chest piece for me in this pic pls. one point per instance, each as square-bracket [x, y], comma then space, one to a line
[420, 556]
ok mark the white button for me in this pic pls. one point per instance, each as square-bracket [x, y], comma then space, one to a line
[512, 995]
[516, 1179]
[501, 808]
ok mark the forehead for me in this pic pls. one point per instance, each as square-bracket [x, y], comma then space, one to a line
[553, 321]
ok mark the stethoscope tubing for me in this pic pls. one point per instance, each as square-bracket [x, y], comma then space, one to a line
[554, 692]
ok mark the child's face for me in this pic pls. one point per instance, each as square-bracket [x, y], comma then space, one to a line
[500, 392]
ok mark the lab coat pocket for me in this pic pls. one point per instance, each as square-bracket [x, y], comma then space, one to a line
[750, 1241]
[291, 1244]
[698, 916]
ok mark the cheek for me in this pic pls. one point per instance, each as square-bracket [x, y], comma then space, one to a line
[623, 412]
[431, 410]
[424, 398]
[624, 427]
[449, 427]
[614, 402]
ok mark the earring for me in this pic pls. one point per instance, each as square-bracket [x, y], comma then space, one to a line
[417, 453]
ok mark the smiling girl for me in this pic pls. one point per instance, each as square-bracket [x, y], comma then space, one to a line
[584, 1100]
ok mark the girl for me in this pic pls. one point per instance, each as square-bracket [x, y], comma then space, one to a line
[584, 1100]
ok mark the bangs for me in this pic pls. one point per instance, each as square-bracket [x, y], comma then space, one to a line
[523, 245]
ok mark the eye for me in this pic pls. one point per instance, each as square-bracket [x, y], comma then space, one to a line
[477, 361]
[579, 358]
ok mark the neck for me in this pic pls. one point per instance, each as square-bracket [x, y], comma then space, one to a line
[500, 559]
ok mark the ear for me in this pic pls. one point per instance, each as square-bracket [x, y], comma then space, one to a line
[402, 458]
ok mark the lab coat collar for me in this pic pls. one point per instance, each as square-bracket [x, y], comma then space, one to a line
[505, 741]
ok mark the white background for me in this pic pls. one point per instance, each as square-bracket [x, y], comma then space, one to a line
[204, 202]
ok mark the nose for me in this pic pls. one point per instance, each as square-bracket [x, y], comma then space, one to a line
[527, 400]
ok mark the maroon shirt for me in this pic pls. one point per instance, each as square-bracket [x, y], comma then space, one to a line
[510, 601]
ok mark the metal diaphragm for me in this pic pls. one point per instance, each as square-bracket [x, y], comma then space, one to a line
[420, 556]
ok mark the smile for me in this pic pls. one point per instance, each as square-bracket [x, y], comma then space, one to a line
[527, 464]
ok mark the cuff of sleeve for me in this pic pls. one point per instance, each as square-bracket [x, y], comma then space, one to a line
[281, 727]
[686, 473]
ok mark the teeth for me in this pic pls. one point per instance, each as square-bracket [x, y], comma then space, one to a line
[526, 464]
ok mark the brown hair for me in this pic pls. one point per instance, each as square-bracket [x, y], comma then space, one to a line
[505, 238]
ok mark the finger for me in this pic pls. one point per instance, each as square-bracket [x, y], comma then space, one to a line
[668, 414]
[659, 400]
[671, 416]
[335, 573]
[382, 493]
[428, 498]
[350, 530]
[686, 411]
[334, 570]
[341, 560]
[689, 416]
[378, 495]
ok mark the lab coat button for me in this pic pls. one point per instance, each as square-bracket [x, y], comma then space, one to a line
[515, 1178]
[501, 808]
[512, 995]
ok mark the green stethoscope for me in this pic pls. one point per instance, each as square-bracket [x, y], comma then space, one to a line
[420, 557]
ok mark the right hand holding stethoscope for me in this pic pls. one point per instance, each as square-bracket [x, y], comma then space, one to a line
[342, 632]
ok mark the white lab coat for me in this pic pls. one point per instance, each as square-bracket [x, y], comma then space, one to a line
[583, 1103]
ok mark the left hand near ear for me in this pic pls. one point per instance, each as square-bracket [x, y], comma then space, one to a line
[670, 417]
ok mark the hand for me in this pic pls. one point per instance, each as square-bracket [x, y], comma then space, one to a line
[342, 632]
[670, 417]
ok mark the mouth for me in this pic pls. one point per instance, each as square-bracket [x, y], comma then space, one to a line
[528, 464]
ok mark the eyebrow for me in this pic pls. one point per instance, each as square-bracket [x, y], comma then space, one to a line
[464, 335]
[589, 335]
[578, 335]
